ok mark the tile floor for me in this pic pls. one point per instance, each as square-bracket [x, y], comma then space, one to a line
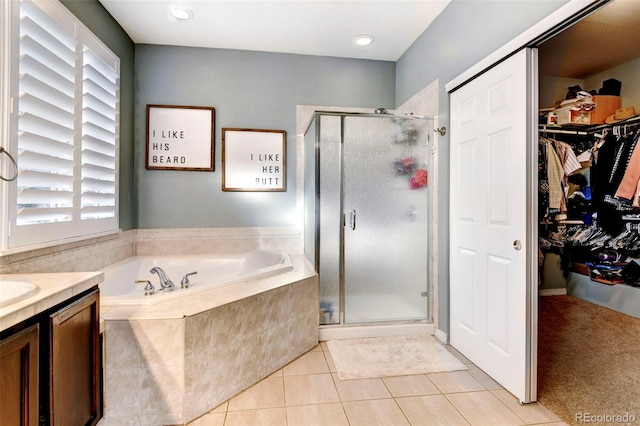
[308, 392]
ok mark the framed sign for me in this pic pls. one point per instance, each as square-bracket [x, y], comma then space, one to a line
[180, 138]
[253, 160]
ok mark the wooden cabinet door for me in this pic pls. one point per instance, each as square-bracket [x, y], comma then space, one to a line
[75, 391]
[19, 378]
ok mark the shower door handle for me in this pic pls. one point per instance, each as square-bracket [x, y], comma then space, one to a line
[352, 219]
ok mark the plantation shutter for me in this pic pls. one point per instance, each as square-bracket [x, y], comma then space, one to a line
[99, 135]
[46, 123]
[66, 97]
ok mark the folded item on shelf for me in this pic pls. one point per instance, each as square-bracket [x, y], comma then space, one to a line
[607, 274]
[610, 87]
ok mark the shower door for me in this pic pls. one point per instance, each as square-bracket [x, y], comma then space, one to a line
[384, 218]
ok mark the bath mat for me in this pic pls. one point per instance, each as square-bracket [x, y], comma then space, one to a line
[391, 356]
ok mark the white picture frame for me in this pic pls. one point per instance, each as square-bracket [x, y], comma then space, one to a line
[254, 160]
[180, 138]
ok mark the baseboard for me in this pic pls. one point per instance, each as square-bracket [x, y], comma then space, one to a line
[553, 292]
[357, 332]
[441, 336]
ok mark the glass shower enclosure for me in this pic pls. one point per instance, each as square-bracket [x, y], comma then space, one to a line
[366, 226]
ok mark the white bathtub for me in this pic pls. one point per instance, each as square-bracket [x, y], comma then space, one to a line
[213, 271]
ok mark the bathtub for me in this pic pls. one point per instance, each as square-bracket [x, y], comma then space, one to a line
[172, 362]
[119, 287]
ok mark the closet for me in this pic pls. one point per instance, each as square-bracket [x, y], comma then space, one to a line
[589, 160]
[589, 214]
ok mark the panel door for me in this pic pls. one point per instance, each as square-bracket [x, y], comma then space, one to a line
[76, 391]
[490, 304]
[19, 399]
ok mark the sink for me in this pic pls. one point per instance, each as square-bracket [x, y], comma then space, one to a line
[14, 291]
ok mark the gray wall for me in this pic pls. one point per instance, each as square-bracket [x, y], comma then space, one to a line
[98, 20]
[248, 90]
[261, 90]
[463, 34]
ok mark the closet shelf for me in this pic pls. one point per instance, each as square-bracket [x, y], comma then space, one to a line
[585, 129]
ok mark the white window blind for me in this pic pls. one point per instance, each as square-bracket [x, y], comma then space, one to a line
[46, 123]
[99, 136]
[67, 128]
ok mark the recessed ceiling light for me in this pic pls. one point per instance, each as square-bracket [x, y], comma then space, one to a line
[364, 40]
[181, 13]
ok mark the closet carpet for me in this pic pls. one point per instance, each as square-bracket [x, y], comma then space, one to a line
[588, 360]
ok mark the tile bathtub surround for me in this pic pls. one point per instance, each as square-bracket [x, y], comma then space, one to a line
[86, 255]
[217, 240]
[96, 253]
[308, 392]
[171, 371]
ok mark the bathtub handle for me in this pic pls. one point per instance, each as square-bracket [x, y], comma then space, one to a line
[149, 289]
[184, 283]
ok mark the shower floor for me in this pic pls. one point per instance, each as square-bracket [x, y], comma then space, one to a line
[384, 307]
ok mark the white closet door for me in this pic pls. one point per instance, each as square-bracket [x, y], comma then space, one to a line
[490, 304]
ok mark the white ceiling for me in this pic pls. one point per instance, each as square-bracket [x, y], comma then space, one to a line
[312, 27]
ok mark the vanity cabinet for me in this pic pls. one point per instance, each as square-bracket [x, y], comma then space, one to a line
[51, 366]
[19, 378]
[74, 361]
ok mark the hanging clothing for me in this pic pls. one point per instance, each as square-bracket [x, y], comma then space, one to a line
[567, 157]
[543, 181]
[555, 173]
[607, 171]
[631, 178]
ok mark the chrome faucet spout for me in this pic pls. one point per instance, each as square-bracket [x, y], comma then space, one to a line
[165, 283]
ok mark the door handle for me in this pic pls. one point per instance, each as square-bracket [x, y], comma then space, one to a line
[352, 219]
[517, 245]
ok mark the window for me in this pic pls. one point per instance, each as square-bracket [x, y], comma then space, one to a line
[63, 128]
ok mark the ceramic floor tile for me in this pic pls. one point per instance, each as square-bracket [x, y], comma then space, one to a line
[277, 373]
[293, 396]
[264, 417]
[483, 378]
[312, 362]
[210, 419]
[317, 415]
[483, 409]
[221, 408]
[455, 381]
[310, 389]
[316, 349]
[530, 413]
[375, 412]
[413, 385]
[463, 359]
[332, 365]
[360, 389]
[431, 410]
[269, 393]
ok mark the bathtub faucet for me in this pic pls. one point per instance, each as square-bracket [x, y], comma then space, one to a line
[185, 280]
[165, 282]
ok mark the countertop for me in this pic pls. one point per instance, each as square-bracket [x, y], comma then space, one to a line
[54, 288]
